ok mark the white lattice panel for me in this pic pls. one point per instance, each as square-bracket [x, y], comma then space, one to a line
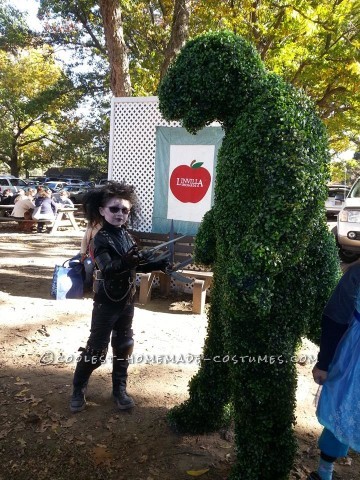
[132, 148]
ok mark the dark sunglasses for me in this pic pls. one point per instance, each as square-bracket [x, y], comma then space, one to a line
[124, 210]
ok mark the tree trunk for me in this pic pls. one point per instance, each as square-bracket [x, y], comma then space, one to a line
[179, 33]
[14, 167]
[120, 82]
[14, 159]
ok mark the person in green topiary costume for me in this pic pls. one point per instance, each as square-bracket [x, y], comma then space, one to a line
[274, 261]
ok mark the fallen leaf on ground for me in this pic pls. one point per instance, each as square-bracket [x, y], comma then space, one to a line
[22, 442]
[68, 423]
[22, 393]
[197, 473]
[101, 455]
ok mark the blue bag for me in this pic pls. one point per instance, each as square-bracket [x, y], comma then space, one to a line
[68, 282]
[89, 274]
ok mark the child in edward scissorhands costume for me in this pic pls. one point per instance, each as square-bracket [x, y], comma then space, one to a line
[338, 371]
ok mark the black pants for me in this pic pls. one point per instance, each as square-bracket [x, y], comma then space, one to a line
[108, 320]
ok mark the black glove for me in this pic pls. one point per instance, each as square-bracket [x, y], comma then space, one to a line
[131, 259]
[127, 262]
[159, 265]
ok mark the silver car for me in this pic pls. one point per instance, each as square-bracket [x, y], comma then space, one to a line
[76, 193]
[12, 183]
[336, 198]
[347, 231]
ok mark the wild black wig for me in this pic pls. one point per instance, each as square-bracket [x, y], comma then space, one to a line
[98, 197]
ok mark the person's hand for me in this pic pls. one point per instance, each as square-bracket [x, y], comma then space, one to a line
[83, 257]
[162, 265]
[131, 259]
[319, 376]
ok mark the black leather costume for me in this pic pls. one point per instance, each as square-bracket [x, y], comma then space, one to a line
[116, 281]
[113, 308]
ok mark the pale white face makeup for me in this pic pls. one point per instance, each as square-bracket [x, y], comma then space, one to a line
[116, 211]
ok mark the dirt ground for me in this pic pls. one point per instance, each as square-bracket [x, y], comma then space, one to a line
[40, 438]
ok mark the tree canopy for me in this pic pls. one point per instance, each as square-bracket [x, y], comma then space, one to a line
[34, 97]
[44, 115]
[312, 44]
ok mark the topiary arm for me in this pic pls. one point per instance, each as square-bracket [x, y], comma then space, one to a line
[205, 242]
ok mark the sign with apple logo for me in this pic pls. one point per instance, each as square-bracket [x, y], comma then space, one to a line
[190, 181]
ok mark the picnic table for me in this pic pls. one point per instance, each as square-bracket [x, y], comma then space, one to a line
[64, 218]
[6, 208]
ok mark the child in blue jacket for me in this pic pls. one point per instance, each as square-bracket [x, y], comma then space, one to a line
[338, 371]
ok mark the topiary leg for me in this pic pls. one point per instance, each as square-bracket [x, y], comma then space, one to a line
[264, 419]
[208, 389]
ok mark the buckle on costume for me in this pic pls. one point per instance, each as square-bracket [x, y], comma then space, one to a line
[98, 275]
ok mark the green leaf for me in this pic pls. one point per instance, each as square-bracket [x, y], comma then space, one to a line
[196, 165]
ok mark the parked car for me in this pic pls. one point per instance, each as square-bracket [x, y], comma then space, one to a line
[90, 183]
[55, 186]
[73, 181]
[76, 193]
[347, 231]
[101, 182]
[14, 183]
[37, 180]
[33, 183]
[336, 199]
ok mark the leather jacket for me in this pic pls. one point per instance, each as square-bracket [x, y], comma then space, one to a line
[114, 282]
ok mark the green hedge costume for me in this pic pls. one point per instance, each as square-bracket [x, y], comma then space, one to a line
[274, 261]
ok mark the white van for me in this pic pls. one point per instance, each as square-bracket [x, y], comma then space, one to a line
[347, 231]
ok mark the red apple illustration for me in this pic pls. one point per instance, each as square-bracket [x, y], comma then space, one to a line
[189, 184]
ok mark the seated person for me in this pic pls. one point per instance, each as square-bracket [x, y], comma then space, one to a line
[7, 197]
[23, 210]
[62, 199]
[45, 208]
[39, 190]
[19, 195]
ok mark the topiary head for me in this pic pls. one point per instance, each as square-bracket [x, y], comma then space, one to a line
[212, 78]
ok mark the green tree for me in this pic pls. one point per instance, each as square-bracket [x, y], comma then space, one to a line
[345, 171]
[14, 31]
[150, 33]
[35, 97]
[312, 44]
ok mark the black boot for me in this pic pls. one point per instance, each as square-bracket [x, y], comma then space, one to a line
[87, 363]
[122, 399]
[119, 378]
[78, 400]
[123, 344]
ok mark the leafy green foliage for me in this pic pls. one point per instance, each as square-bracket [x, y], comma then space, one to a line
[41, 122]
[228, 91]
[13, 29]
[274, 260]
[313, 45]
[345, 171]
[35, 97]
